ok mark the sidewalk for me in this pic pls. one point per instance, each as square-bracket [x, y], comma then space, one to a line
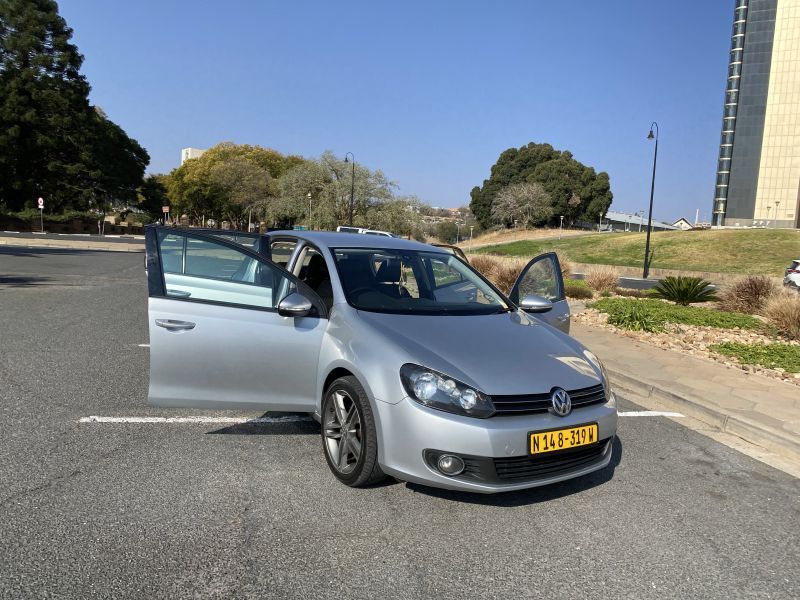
[762, 411]
[96, 243]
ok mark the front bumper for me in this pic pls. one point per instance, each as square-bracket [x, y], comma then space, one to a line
[492, 448]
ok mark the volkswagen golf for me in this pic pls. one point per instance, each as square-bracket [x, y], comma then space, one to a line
[414, 364]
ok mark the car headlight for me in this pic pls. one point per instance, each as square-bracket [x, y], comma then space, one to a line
[611, 399]
[441, 392]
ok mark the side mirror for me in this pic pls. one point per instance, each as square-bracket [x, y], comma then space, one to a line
[535, 304]
[294, 305]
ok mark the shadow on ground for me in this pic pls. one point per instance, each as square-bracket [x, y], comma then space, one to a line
[22, 280]
[305, 427]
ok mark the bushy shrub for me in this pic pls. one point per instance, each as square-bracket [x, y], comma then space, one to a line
[576, 288]
[783, 311]
[636, 317]
[684, 290]
[749, 294]
[631, 293]
[602, 279]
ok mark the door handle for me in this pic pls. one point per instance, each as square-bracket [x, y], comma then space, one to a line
[178, 293]
[171, 325]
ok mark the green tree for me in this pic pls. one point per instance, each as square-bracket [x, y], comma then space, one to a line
[152, 196]
[227, 181]
[52, 142]
[447, 231]
[577, 191]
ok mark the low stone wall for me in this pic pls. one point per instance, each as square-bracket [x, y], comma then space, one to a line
[660, 273]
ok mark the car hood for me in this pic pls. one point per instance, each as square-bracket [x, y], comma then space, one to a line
[501, 354]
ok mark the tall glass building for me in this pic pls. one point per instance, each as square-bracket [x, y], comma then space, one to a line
[758, 171]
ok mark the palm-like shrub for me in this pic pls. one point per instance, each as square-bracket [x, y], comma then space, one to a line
[684, 290]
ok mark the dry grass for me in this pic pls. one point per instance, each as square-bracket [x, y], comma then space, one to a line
[509, 235]
[783, 310]
[749, 294]
[504, 270]
[602, 279]
[500, 270]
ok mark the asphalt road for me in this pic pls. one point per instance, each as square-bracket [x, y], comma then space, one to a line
[177, 511]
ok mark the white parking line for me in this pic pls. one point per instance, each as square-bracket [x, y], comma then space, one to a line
[196, 419]
[649, 413]
[144, 345]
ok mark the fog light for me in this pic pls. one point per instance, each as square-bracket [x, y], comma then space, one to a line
[450, 465]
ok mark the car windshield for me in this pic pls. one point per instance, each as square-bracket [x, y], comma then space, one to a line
[414, 282]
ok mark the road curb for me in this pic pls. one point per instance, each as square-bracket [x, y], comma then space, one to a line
[776, 440]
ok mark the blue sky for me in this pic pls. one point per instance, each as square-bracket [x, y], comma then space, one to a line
[429, 92]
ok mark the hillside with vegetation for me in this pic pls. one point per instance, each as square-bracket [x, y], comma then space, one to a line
[718, 251]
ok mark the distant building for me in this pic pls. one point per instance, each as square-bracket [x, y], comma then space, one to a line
[187, 153]
[683, 224]
[758, 171]
[620, 221]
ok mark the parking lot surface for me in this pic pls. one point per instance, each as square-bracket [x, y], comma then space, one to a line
[132, 510]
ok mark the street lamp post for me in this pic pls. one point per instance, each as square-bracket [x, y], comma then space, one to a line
[515, 229]
[458, 228]
[352, 188]
[308, 195]
[561, 226]
[470, 237]
[777, 202]
[650, 136]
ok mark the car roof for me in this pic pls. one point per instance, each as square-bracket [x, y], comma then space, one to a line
[338, 239]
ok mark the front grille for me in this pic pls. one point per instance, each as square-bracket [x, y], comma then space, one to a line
[519, 469]
[528, 404]
[522, 468]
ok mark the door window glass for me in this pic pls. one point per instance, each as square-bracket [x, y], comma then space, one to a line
[542, 279]
[200, 269]
[282, 252]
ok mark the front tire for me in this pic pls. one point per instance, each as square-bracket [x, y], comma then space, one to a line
[349, 438]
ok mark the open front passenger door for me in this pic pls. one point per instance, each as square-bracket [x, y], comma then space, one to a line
[542, 277]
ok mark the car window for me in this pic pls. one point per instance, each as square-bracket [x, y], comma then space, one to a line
[541, 279]
[444, 274]
[399, 281]
[200, 269]
[281, 251]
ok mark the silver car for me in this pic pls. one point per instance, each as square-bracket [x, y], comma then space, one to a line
[415, 365]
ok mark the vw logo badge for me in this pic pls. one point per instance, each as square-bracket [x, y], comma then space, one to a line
[562, 404]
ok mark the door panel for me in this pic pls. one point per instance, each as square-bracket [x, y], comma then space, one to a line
[232, 357]
[216, 339]
[542, 277]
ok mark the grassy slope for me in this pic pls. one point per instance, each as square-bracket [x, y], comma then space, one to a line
[717, 251]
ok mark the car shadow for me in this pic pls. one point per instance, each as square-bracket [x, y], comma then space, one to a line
[532, 495]
[296, 424]
[22, 280]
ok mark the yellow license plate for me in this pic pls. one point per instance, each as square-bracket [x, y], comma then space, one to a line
[562, 439]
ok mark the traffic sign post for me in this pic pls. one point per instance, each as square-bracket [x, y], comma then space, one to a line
[41, 213]
[165, 209]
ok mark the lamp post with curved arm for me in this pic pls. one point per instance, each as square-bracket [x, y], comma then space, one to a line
[650, 136]
[352, 188]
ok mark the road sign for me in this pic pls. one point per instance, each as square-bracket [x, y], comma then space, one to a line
[41, 202]
[165, 209]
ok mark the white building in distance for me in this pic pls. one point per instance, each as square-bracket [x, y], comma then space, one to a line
[187, 153]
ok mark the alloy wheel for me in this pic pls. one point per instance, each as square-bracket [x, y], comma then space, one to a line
[342, 425]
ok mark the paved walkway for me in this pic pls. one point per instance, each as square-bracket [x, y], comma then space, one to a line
[113, 243]
[761, 410]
